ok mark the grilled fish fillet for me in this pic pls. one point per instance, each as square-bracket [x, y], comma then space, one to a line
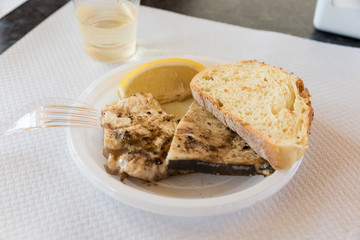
[137, 137]
[203, 144]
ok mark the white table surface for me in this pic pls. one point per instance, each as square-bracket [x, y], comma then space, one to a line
[44, 196]
[7, 6]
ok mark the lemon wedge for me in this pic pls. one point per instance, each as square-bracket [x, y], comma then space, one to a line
[166, 79]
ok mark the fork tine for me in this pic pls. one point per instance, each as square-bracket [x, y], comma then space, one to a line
[69, 114]
[74, 126]
[71, 107]
[65, 121]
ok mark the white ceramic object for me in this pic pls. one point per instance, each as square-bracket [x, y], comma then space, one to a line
[338, 16]
[185, 195]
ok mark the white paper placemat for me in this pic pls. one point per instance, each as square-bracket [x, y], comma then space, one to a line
[43, 195]
[7, 6]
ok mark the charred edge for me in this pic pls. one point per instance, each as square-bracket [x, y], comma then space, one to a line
[267, 167]
[212, 168]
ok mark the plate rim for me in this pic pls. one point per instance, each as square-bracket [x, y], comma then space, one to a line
[168, 205]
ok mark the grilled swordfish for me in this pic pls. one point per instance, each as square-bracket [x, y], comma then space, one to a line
[137, 137]
[203, 144]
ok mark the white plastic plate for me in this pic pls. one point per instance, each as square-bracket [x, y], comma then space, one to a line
[185, 195]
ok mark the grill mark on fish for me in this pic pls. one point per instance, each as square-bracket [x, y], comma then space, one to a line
[202, 140]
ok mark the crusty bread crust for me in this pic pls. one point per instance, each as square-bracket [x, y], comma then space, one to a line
[279, 156]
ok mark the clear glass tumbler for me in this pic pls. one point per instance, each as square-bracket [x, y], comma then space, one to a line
[108, 28]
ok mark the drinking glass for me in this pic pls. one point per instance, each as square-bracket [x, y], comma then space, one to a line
[108, 28]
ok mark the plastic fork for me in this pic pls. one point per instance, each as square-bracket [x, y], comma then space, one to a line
[54, 112]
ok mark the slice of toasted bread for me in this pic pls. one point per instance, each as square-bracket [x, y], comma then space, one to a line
[203, 144]
[269, 108]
